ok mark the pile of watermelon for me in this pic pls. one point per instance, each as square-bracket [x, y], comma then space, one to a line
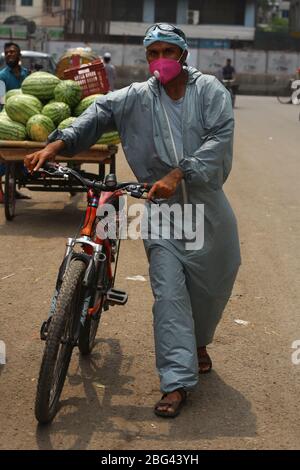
[43, 104]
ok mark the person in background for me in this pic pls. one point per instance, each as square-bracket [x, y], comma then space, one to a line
[229, 80]
[228, 71]
[110, 70]
[12, 75]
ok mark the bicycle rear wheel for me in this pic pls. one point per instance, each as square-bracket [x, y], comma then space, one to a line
[88, 332]
[61, 339]
[285, 97]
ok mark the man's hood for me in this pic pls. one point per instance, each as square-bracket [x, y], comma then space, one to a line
[155, 85]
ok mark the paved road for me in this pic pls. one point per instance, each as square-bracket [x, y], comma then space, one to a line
[250, 400]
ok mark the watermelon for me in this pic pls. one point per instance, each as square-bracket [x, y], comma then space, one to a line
[84, 104]
[109, 138]
[10, 93]
[3, 116]
[66, 123]
[39, 127]
[41, 85]
[69, 92]
[57, 112]
[10, 130]
[21, 107]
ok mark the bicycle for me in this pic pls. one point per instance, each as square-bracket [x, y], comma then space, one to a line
[84, 288]
[284, 94]
[231, 87]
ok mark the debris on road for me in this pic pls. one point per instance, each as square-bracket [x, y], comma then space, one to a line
[7, 277]
[136, 278]
[2, 353]
[241, 322]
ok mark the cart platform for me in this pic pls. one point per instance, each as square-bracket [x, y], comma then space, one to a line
[12, 153]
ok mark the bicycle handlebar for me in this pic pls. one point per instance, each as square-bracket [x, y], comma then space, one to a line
[135, 189]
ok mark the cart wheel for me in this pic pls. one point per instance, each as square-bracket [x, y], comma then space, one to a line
[10, 191]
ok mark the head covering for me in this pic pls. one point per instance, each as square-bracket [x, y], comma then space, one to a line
[167, 33]
[107, 55]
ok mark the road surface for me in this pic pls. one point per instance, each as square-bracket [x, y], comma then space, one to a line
[250, 400]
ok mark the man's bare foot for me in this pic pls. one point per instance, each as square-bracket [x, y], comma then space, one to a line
[204, 361]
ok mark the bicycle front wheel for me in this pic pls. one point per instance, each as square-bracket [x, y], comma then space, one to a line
[61, 339]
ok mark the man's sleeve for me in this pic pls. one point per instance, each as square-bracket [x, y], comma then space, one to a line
[2, 78]
[88, 128]
[210, 164]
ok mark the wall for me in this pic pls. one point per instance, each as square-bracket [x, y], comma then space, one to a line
[207, 60]
[36, 10]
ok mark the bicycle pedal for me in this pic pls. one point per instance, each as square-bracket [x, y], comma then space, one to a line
[116, 297]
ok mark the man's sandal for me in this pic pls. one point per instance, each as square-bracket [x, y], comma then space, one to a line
[174, 406]
[204, 361]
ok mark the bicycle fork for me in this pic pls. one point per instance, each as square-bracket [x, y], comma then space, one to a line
[94, 281]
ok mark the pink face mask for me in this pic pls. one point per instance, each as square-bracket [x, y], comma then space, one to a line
[165, 70]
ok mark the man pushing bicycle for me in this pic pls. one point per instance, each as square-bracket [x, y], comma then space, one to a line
[177, 132]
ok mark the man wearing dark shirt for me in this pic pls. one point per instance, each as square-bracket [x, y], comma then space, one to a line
[12, 75]
[228, 71]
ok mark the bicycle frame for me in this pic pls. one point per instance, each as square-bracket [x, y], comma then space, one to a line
[97, 252]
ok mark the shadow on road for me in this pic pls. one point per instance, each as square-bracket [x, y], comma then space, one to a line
[214, 410]
[39, 220]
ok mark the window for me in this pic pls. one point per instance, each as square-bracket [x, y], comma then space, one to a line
[122, 10]
[165, 11]
[7, 6]
[50, 5]
[26, 3]
[219, 11]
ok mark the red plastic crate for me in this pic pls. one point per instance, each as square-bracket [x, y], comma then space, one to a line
[91, 77]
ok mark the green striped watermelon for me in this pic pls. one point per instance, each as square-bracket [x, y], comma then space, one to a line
[84, 104]
[10, 130]
[109, 138]
[21, 107]
[3, 116]
[10, 93]
[69, 92]
[39, 127]
[66, 123]
[57, 112]
[41, 85]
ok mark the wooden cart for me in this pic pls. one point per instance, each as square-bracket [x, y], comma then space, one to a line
[12, 154]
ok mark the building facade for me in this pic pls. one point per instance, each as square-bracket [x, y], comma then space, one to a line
[231, 19]
[127, 20]
[42, 12]
[295, 18]
[284, 8]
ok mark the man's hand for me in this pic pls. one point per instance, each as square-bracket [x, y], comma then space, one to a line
[36, 160]
[166, 187]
